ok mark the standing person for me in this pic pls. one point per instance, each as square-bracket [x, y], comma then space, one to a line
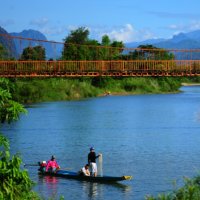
[92, 161]
[52, 165]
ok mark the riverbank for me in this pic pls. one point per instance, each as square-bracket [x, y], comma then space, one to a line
[190, 84]
[64, 89]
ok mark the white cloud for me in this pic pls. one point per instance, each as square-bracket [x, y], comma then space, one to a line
[127, 33]
[177, 28]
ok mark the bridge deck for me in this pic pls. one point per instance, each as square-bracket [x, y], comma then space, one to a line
[100, 68]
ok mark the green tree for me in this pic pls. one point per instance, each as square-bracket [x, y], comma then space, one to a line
[33, 53]
[78, 46]
[3, 53]
[15, 182]
[75, 45]
[105, 50]
[150, 52]
[117, 49]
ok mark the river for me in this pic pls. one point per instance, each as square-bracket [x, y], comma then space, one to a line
[155, 138]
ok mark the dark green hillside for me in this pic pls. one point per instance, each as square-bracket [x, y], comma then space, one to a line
[8, 44]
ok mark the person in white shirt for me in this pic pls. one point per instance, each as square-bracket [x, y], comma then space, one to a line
[85, 170]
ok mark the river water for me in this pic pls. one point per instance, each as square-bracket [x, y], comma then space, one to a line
[154, 138]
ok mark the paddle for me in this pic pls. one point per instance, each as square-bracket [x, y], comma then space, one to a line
[27, 165]
[65, 169]
[33, 165]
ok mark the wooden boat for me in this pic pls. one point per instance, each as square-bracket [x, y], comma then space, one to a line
[75, 175]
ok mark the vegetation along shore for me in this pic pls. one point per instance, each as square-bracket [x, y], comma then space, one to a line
[59, 89]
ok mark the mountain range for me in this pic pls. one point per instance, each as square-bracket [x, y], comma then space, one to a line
[190, 40]
[8, 43]
[52, 50]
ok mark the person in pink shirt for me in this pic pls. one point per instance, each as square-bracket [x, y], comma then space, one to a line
[52, 165]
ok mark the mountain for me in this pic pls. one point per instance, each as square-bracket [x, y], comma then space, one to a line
[8, 43]
[190, 40]
[52, 51]
[145, 42]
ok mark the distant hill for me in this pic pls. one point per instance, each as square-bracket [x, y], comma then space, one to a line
[52, 50]
[8, 43]
[145, 42]
[190, 40]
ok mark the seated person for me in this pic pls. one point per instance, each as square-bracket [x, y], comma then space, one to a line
[85, 171]
[42, 165]
[52, 165]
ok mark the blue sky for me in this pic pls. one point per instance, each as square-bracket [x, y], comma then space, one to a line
[122, 20]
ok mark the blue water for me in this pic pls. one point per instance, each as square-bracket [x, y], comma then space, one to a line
[154, 138]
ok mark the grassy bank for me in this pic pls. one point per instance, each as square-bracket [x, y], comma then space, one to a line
[189, 191]
[54, 89]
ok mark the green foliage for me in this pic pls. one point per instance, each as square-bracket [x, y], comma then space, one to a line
[150, 52]
[169, 83]
[3, 53]
[78, 46]
[75, 47]
[53, 89]
[9, 109]
[101, 82]
[15, 183]
[33, 53]
[189, 191]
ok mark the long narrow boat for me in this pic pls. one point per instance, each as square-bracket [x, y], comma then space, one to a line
[75, 175]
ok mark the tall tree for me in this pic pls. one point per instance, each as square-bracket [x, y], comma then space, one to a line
[78, 46]
[33, 53]
[117, 49]
[105, 50]
[75, 45]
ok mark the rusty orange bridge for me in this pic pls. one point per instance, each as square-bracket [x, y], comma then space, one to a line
[125, 62]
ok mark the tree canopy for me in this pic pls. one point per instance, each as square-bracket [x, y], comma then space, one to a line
[150, 52]
[78, 46]
[33, 53]
[3, 53]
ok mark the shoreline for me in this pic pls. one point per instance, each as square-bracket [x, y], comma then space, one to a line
[190, 84]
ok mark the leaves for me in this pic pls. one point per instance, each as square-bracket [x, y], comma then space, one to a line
[33, 53]
[15, 182]
[9, 110]
[78, 46]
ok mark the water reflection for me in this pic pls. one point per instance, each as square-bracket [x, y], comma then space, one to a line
[91, 189]
[95, 190]
[51, 185]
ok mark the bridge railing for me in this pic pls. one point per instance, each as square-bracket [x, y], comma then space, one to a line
[137, 67]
